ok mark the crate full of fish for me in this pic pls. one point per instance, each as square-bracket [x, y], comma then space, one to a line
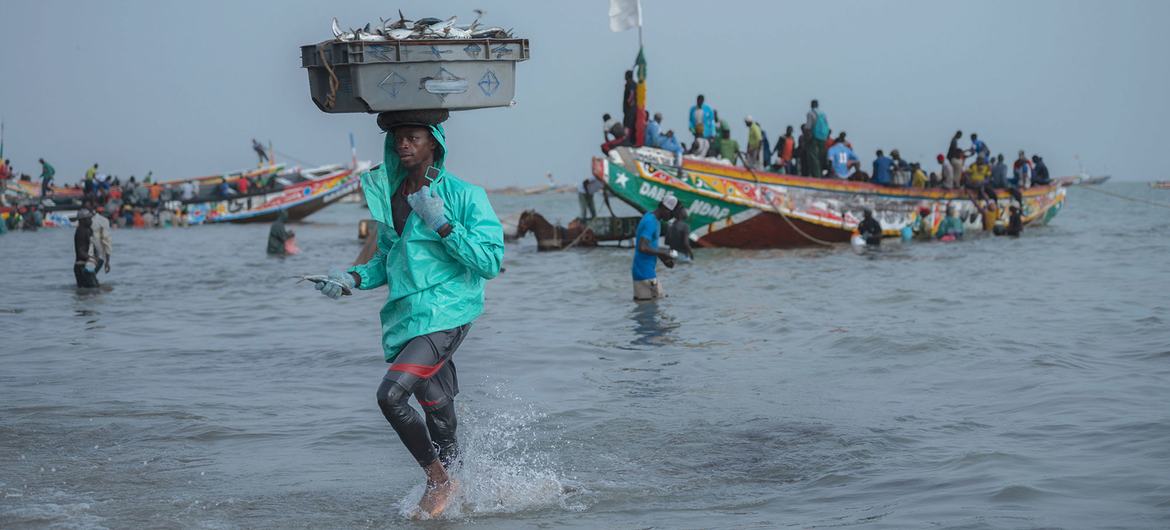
[403, 64]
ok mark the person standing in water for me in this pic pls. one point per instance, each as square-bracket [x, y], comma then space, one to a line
[84, 252]
[647, 253]
[439, 241]
[278, 235]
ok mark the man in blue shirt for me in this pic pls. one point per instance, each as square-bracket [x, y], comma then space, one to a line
[842, 160]
[882, 166]
[647, 253]
[653, 130]
[702, 119]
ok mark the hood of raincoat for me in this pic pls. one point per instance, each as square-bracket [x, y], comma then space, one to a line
[380, 183]
[433, 283]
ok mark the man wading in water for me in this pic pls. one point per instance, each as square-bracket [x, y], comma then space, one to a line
[435, 264]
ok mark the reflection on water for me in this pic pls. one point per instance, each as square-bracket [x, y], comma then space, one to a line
[652, 325]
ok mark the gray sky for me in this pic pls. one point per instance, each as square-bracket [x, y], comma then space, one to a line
[182, 87]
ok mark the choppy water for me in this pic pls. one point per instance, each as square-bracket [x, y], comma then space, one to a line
[994, 383]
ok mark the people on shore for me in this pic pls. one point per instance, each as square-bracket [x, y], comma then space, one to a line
[646, 251]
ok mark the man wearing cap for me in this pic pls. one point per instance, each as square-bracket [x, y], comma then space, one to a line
[439, 241]
[647, 253]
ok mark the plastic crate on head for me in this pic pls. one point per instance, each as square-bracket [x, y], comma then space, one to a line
[413, 74]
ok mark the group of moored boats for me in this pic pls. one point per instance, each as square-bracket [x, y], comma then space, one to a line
[297, 191]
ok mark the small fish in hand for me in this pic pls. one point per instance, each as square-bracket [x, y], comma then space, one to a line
[323, 279]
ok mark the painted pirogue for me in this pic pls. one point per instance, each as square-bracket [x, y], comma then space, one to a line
[730, 206]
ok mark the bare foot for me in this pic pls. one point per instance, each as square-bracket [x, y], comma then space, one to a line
[436, 497]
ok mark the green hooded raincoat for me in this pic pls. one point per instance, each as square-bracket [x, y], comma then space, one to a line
[435, 283]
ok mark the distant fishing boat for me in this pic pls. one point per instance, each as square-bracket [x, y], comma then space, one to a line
[300, 192]
[1161, 185]
[730, 206]
[1083, 180]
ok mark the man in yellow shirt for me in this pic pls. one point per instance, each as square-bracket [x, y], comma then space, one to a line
[919, 180]
[979, 179]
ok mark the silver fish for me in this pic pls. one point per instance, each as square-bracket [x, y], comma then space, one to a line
[387, 25]
[438, 29]
[341, 35]
[322, 279]
[400, 33]
[493, 32]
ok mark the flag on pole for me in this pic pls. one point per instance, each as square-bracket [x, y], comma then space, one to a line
[640, 95]
[625, 14]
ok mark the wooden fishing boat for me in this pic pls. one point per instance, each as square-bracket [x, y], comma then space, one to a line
[300, 192]
[731, 206]
[1161, 185]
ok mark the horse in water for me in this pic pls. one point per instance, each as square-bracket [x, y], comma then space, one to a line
[550, 237]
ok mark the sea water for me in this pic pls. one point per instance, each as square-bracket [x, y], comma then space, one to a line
[990, 383]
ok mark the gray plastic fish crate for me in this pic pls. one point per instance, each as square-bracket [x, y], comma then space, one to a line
[413, 74]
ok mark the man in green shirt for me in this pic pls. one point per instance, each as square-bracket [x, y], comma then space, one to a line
[755, 142]
[47, 173]
[728, 148]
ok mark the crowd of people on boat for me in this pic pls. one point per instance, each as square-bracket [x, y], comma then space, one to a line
[816, 152]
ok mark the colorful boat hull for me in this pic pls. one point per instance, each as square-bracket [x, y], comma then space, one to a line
[730, 206]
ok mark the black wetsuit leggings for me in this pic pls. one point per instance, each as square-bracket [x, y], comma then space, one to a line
[426, 441]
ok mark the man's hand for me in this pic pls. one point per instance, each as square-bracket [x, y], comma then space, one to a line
[339, 282]
[429, 207]
[667, 259]
[107, 266]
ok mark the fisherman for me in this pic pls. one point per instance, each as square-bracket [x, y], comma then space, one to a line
[630, 106]
[818, 126]
[978, 148]
[840, 139]
[989, 211]
[901, 169]
[47, 173]
[804, 152]
[261, 154]
[918, 177]
[653, 130]
[1022, 171]
[870, 229]
[843, 161]
[979, 178]
[951, 226]
[585, 193]
[613, 132]
[721, 125]
[955, 156]
[103, 237]
[728, 147]
[999, 171]
[186, 191]
[439, 241]
[785, 150]
[923, 225]
[647, 254]
[1015, 223]
[947, 172]
[702, 119]
[755, 143]
[678, 233]
[1040, 172]
[85, 259]
[278, 235]
[883, 169]
[670, 143]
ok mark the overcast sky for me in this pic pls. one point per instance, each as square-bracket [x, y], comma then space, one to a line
[180, 88]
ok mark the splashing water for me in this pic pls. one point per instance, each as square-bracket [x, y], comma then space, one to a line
[504, 468]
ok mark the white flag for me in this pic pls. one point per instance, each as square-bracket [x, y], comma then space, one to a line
[625, 14]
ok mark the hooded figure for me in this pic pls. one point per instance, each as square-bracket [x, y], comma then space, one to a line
[278, 235]
[439, 241]
[435, 283]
